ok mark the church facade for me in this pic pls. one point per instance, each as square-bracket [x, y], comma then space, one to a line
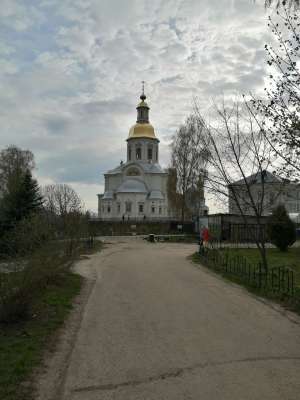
[137, 189]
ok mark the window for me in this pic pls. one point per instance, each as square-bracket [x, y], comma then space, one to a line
[138, 154]
[108, 208]
[133, 172]
[129, 153]
[128, 206]
[160, 210]
[119, 208]
[141, 208]
[153, 209]
[150, 151]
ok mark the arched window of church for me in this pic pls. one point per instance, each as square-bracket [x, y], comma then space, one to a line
[129, 153]
[133, 172]
[138, 153]
[152, 208]
[150, 153]
[128, 206]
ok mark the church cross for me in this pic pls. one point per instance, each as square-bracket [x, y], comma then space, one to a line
[143, 87]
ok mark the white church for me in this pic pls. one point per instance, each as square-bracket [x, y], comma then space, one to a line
[137, 189]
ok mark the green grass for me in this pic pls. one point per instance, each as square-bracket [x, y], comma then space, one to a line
[290, 259]
[276, 258]
[22, 344]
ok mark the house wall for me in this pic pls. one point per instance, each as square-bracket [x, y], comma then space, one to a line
[272, 195]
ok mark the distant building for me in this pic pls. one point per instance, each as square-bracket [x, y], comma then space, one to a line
[267, 191]
[137, 189]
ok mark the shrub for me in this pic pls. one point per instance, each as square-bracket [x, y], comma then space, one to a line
[20, 289]
[26, 236]
[16, 295]
[280, 229]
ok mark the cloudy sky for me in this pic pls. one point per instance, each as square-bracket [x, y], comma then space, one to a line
[71, 72]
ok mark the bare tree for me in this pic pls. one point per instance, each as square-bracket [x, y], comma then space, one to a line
[66, 212]
[61, 200]
[238, 149]
[278, 3]
[13, 163]
[188, 159]
[174, 198]
[281, 107]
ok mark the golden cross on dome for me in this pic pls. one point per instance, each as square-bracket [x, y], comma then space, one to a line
[143, 87]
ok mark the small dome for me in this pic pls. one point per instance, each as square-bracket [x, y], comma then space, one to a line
[156, 195]
[145, 130]
[132, 186]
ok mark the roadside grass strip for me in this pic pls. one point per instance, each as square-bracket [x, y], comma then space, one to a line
[250, 258]
[22, 343]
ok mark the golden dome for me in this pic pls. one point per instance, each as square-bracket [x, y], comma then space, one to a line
[144, 130]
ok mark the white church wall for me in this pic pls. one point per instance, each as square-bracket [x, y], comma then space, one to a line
[134, 199]
[113, 206]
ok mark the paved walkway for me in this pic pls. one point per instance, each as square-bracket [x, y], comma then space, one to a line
[155, 327]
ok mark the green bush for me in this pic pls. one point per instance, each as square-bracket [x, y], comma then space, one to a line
[16, 296]
[26, 236]
[281, 230]
[20, 289]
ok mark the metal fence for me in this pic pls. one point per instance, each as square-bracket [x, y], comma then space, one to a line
[276, 279]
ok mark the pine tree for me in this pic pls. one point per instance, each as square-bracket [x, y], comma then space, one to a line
[21, 198]
[32, 198]
[281, 229]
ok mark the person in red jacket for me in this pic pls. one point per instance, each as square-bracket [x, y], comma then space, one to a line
[205, 237]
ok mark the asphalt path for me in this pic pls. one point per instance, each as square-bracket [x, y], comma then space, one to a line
[156, 327]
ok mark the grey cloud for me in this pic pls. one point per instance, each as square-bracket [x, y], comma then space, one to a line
[171, 79]
[75, 100]
[102, 107]
[77, 166]
[249, 42]
[237, 50]
[56, 124]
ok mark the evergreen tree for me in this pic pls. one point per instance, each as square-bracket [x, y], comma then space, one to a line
[21, 198]
[281, 229]
[32, 198]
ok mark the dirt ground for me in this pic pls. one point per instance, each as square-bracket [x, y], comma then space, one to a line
[150, 325]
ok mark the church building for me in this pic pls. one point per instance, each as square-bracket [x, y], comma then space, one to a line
[137, 189]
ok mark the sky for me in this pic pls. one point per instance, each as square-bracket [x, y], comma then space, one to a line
[71, 72]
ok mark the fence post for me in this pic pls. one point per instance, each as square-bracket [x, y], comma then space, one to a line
[259, 274]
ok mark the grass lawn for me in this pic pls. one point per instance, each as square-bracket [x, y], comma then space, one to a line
[275, 257]
[22, 344]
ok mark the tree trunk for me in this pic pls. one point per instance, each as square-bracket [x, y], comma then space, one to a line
[183, 208]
